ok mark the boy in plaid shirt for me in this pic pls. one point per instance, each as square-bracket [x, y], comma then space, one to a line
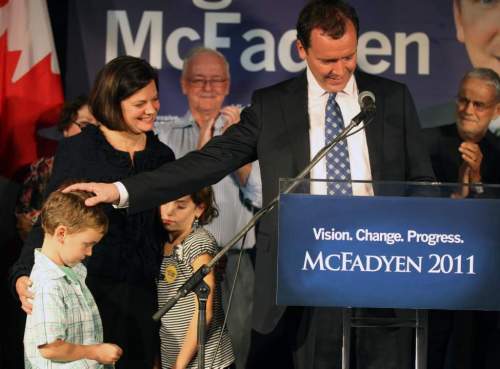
[65, 329]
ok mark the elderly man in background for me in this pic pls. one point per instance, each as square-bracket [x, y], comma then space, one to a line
[467, 152]
[477, 26]
[205, 81]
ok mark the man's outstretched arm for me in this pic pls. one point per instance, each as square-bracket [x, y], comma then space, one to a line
[219, 157]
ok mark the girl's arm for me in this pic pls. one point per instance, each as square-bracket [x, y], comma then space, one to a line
[189, 346]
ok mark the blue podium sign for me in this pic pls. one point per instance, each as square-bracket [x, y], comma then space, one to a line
[389, 252]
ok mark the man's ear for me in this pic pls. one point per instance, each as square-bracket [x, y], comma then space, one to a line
[458, 21]
[301, 49]
[497, 111]
[228, 87]
[184, 83]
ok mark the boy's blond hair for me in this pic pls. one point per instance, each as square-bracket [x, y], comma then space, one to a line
[69, 209]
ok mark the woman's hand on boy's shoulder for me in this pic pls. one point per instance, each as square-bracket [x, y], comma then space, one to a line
[23, 284]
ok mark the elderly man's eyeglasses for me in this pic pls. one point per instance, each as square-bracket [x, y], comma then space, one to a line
[479, 106]
[201, 82]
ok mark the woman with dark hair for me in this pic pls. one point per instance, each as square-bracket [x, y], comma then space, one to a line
[190, 246]
[122, 270]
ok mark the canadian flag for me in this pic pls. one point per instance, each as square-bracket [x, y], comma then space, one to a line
[30, 82]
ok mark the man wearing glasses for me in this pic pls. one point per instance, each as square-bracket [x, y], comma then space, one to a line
[467, 152]
[205, 81]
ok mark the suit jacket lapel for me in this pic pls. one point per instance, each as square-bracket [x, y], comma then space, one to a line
[375, 130]
[296, 118]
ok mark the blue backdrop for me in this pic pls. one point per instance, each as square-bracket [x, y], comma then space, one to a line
[410, 41]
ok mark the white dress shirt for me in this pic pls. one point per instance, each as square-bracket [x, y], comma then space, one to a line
[347, 99]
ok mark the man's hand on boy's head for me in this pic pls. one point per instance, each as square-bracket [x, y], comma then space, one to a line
[25, 295]
[104, 192]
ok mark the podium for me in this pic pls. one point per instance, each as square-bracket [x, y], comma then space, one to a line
[392, 245]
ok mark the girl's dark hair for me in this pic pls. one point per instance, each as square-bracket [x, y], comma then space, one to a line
[117, 80]
[206, 197]
[69, 112]
[331, 16]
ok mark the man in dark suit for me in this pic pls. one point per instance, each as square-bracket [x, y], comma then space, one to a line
[467, 152]
[284, 127]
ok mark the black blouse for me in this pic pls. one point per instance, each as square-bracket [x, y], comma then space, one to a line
[132, 249]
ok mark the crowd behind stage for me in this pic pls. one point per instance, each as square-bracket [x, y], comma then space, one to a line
[174, 189]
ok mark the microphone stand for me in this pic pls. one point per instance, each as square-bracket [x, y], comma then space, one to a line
[195, 282]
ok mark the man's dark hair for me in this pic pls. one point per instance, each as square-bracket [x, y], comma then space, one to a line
[117, 80]
[69, 112]
[331, 16]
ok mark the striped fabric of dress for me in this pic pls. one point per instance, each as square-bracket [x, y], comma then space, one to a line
[175, 270]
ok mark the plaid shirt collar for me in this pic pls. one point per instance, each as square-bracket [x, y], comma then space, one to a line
[51, 270]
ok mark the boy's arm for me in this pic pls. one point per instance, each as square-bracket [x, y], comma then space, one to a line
[189, 346]
[104, 353]
[46, 330]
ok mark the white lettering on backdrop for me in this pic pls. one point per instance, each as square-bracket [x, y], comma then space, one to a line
[376, 52]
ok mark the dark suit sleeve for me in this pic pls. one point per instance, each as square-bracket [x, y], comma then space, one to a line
[218, 158]
[61, 171]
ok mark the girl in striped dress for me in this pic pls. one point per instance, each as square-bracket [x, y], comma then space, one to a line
[190, 246]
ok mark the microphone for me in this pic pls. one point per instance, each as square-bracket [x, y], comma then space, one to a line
[366, 101]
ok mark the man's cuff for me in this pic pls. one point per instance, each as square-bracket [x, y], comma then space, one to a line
[253, 188]
[123, 202]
